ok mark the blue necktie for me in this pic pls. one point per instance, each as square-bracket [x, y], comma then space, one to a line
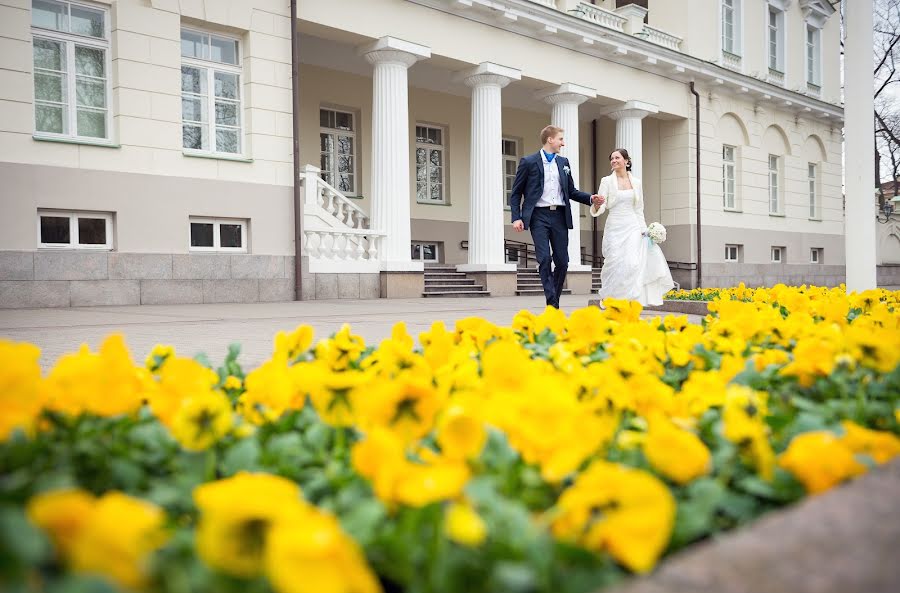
[550, 156]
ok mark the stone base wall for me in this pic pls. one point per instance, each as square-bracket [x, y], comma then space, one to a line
[725, 275]
[90, 278]
[888, 275]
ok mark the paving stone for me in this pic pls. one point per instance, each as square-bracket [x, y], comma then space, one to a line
[140, 266]
[19, 294]
[257, 266]
[90, 293]
[276, 290]
[171, 292]
[16, 265]
[201, 266]
[231, 291]
[70, 265]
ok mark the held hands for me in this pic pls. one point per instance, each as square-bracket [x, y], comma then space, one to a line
[518, 226]
[597, 200]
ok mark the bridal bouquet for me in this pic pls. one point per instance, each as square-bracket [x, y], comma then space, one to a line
[656, 232]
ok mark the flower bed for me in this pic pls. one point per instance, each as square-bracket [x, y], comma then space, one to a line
[557, 454]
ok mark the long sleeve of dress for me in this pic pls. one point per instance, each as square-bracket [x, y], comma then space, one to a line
[639, 211]
[604, 193]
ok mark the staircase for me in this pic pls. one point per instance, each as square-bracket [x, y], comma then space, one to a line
[595, 280]
[528, 282]
[444, 281]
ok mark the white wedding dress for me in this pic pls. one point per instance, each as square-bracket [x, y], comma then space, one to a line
[634, 267]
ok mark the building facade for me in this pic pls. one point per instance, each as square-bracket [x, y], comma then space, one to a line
[146, 145]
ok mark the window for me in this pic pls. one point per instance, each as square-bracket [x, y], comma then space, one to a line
[732, 253]
[210, 93]
[728, 177]
[218, 234]
[812, 183]
[731, 26]
[71, 70]
[777, 255]
[337, 149]
[813, 57]
[776, 39]
[74, 230]
[512, 255]
[430, 164]
[816, 255]
[429, 252]
[774, 195]
[510, 164]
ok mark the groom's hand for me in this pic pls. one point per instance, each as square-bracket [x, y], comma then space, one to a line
[518, 226]
[597, 200]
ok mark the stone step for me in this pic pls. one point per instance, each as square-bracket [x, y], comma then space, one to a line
[537, 291]
[453, 287]
[458, 294]
[462, 280]
[440, 268]
[444, 275]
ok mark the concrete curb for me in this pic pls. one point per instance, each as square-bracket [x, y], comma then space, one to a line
[681, 307]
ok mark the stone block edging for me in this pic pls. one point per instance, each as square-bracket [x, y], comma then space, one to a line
[680, 307]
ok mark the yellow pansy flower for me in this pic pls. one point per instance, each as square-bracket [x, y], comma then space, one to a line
[820, 460]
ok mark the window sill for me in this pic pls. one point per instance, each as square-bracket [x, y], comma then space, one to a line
[214, 251]
[433, 203]
[815, 219]
[776, 214]
[82, 141]
[73, 248]
[735, 210]
[216, 156]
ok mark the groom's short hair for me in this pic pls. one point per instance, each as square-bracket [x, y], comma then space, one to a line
[549, 132]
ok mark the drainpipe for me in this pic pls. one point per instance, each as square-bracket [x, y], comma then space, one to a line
[697, 159]
[295, 120]
[594, 249]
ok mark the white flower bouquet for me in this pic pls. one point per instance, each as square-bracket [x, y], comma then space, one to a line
[656, 232]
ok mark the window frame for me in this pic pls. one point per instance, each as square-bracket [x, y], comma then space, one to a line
[813, 51]
[816, 255]
[514, 159]
[775, 173]
[68, 42]
[732, 165]
[737, 252]
[780, 33]
[777, 249]
[812, 181]
[353, 135]
[442, 147]
[736, 10]
[217, 234]
[73, 216]
[210, 67]
[422, 244]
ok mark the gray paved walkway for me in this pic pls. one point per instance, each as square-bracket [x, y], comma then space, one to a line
[210, 328]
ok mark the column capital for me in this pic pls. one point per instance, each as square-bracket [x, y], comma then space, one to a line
[488, 74]
[567, 92]
[390, 50]
[632, 109]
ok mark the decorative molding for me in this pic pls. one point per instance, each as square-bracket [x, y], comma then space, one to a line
[587, 37]
[816, 12]
[390, 50]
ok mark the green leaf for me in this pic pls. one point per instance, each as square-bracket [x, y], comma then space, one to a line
[362, 521]
[20, 539]
[244, 456]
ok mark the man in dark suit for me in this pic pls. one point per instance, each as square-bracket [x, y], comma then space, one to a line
[540, 201]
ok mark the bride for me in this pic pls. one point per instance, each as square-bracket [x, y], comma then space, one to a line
[633, 266]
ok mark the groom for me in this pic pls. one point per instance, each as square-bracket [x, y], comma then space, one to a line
[540, 201]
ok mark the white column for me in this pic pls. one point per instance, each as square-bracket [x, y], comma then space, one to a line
[859, 148]
[390, 147]
[486, 195]
[565, 100]
[629, 130]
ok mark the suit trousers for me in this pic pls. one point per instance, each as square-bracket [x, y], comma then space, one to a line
[549, 230]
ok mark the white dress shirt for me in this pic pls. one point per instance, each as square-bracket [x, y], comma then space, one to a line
[552, 195]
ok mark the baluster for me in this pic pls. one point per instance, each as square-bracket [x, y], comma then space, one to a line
[359, 251]
[374, 243]
[350, 247]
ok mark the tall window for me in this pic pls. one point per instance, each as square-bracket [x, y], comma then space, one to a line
[728, 177]
[776, 39]
[210, 93]
[813, 55]
[430, 164]
[71, 69]
[510, 164]
[812, 184]
[774, 196]
[731, 26]
[337, 149]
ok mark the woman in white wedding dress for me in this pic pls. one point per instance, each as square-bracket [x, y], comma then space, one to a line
[634, 267]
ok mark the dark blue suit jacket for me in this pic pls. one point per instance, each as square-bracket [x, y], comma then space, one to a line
[528, 188]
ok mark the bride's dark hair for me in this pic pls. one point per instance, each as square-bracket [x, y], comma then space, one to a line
[625, 156]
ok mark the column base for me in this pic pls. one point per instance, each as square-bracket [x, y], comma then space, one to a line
[498, 283]
[402, 284]
[578, 281]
